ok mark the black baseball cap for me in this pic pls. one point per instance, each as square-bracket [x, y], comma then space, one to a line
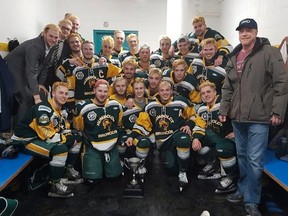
[247, 23]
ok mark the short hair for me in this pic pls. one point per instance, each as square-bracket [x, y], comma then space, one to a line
[207, 83]
[179, 62]
[71, 35]
[129, 61]
[120, 78]
[108, 39]
[72, 18]
[132, 35]
[163, 83]
[64, 21]
[157, 71]
[51, 26]
[119, 31]
[67, 15]
[144, 46]
[57, 84]
[198, 19]
[164, 37]
[209, 41]
[138, 80]
[87, 42]
[101, 82]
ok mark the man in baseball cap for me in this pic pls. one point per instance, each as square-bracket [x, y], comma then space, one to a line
[247, 23]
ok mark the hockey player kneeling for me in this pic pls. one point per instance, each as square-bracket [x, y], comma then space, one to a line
[170, 118]
[99, 120]
[46, 132]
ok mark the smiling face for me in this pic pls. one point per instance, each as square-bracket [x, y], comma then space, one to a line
[101, 94]
[208, 95]
[199, 28]
[51, 37]
[120, 87]
[165, 92]
[75, 44]
[209, 51]
[139, 90]
[88, 51]
[60, 95]
[247, 37]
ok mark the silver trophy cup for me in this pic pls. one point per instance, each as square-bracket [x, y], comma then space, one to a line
[133, 189]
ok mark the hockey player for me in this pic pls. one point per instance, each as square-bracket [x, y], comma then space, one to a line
[183, 83]
[217, 143]
[133, 43]
[45, 132]
[154, 79]
[99, 120]
[120, 90]
[170, 118]
[128, 121]
[107, 49]
[204, 69]
[201, 32]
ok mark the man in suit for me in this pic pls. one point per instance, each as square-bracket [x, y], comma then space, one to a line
[28, 64]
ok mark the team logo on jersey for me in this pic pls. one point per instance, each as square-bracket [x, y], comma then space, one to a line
[79, 75]
[152, 112]
[107, 124]
[163, 124]
[91, 80]
[43, 119]
[194, 68]
[204, 116]
[132, 118]
[157, 63]
[91, 116]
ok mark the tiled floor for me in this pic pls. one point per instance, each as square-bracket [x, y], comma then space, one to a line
[162, 198]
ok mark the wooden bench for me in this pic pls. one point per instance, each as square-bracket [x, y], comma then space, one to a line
[10, 168]
[276, 169]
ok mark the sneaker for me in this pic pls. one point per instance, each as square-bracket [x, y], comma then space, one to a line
[205, 213]
[210, 171]
[58, 189]
[72, 176]
[226, 185]
[141, 173]
[252, 209]
[234, 198]
[183, 180]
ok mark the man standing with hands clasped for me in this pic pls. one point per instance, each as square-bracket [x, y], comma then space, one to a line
[254, 95]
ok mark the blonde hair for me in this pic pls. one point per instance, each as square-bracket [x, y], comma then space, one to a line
[198, 19]
[118, 79]
[71, 35]
[157, 71]
[51, 26]
[209, 41]
[207, 83]
[132, 35]
[164, 37]
[108, 39]
[165, 83]
[64, 21]
[57, 84]
[129, 61]
[138, 80]
[179, 62]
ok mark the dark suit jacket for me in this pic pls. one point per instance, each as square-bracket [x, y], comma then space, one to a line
[28, 65]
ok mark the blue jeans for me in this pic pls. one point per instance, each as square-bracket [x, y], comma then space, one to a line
[251, 144]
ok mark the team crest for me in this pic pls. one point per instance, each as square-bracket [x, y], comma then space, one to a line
[204, 116]
[132, 118]
[91, 116]
[163, 124]
[107, 124]
[157, 63]
[44, 119]
[79, 75]
[152, 112]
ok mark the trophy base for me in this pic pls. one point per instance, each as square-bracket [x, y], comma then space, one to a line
[133, 191]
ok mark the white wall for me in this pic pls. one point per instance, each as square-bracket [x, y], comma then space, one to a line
[271, 16]
[25, 19]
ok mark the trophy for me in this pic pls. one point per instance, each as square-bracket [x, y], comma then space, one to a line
[133, 188]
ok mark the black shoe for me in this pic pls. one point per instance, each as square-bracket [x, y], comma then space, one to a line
[226, 185]
[234, 198]
[58, 189]
[210, 171]
[252, 209]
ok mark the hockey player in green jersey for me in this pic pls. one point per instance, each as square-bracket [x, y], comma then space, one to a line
[99, 120]
[46, 132]
[171, 119]
[128, 121]
[183, 83]
[218, 142]
[205, 69]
